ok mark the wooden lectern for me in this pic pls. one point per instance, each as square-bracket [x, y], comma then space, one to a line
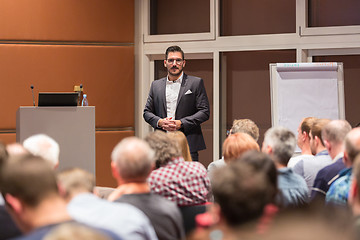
[72, 127]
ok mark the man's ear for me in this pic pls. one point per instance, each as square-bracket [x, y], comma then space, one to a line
[268, 149]
[114, 171]
[327, 145]
[165, 65]
[61, 190]
[215, 212]
[346, 159]
[14, 203]
[56, 166]
[304, 136]
[152, 167]
[317, 141]
[184, 63]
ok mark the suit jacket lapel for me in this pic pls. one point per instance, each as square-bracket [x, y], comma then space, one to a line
[162, 91]
[182, 89]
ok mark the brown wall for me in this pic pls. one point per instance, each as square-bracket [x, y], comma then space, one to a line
[55, 45]
[248, 85]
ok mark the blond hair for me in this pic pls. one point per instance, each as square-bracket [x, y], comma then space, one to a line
[182, 143]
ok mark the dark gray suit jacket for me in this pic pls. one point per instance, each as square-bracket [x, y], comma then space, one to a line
[192, 108]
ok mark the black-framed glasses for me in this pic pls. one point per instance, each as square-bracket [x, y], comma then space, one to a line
[177, 61]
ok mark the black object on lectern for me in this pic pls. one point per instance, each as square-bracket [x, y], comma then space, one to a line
[58, 99]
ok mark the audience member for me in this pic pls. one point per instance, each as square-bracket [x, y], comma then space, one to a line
[299, 224]
[3, 157]
[8, 229]
[308, 168]
[68, 231]
[354, 195]
[303, 141]
[333, 135]
[245, 126]
[239, 126]
[236, 145]
[123, 219]
[339, 190]
[280, 143]
[16, 149]
[43, 146]
[28, 184]
[185, 183]
[241, 193]
[262, 162]
[132, 162]
[182, 144]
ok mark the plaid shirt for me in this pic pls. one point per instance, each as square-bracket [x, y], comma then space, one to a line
[185, 183]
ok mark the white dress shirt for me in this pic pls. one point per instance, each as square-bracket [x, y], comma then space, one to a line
[172, 94]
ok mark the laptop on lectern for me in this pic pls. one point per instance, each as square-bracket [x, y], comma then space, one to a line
[58, 99]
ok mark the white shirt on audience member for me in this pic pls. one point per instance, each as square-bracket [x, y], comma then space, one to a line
[123, 219]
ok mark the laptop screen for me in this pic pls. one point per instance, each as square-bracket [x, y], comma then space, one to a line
[58, 99]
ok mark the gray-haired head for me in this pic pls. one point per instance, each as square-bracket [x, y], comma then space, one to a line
[133, 158]
[43, 146]
[282, 142]
[335, 131]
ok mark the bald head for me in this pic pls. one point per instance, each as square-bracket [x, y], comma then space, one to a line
[133, 159]
[16, 149]
[333, 135]
[335, 131]
[352, 144]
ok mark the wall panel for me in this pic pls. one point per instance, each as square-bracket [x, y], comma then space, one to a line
[105, 143]
[7, 138]
[248, 86]
[107, 73]
[67, 20]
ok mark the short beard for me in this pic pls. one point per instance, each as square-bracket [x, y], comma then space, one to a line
[175, 74]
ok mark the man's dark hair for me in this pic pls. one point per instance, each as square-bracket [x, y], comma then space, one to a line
[28, 178]
[241, 191]
[3, 154]
[174, 49]
[262, 162]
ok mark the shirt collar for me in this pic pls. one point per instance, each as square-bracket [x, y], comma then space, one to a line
[337, 157]
[284, 170]
[322, 153]
[175, 161]
[179, 80]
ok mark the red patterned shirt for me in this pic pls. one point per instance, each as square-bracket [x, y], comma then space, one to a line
[185, 183]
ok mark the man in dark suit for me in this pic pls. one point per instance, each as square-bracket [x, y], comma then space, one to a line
[178, 102]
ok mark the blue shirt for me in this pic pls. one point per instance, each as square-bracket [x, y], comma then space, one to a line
[339, 190]
[292, 187]
[41, 232]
